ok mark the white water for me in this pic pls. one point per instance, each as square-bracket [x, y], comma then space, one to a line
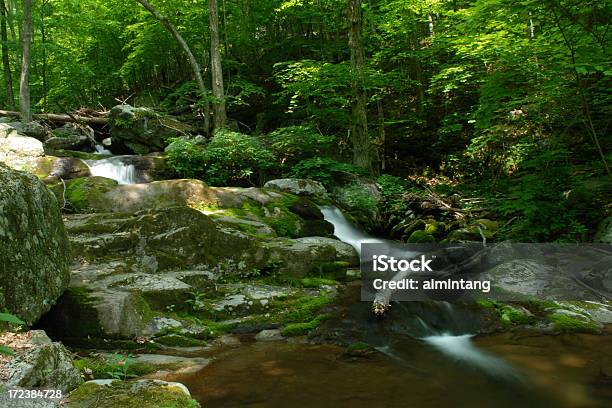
[345, 231]
[462, 349]
[101, 150]
[113, 168]
[458, 347]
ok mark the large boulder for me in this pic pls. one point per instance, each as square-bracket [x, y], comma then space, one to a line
[35, 252]
[136, 393]
[358, 196]
[143, 130]
[17, 150]
[38, 363]
[295, 186]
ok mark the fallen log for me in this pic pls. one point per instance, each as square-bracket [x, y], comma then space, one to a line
[58, 118]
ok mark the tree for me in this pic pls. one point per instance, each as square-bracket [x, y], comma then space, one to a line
[8, 78]
[24, 86]
[192, 60]
[220, 115]
[359, 122]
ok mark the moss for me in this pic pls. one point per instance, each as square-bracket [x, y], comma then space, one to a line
[420, 237]
[82, 191]
[78, 155]
[299, 329]
[121, 394]
[317, 282]
[509, 316]
[176, 340]
[565, 323]
[359, 346]
[103, 368]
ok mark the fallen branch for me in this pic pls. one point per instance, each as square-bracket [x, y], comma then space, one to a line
[54, 117]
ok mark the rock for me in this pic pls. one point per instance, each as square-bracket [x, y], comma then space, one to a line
[472, 232]
[248, 226]
[604, 232]
[302, 256]
[33, 129]
[301, 187]
[7, 401]
[35, 253]
[269, 335]
[17, 150]
[72, 137]
[136, 393]
[358, 196]
[95, 194]
[41, 363]
[143, 130]
[51, 169]
[175, 363]
[87, 193]
[418, 237]
[160, 325]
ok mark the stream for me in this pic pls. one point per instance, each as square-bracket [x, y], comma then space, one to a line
[425, 354]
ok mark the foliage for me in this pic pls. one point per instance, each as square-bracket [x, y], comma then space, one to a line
[295, 143]
[11, 319]
[115, 366]
[321, 169]
[229, 158]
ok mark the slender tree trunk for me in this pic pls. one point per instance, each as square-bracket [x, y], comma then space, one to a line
[192, 60]
[362, 149]
[216, 69]
[8, 78]
[43, 39]
[24, 87]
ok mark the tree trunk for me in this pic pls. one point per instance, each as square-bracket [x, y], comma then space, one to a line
[59, 118]
[359, 121]
[192, 60]
[220, 115]
[24, 87]
[8, 78]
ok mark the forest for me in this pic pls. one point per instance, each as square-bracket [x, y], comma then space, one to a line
[505, 100]
[187, 186]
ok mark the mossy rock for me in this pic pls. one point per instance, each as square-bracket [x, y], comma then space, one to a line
[435, 228]
[130, 394]
[86, 193]
[567, 321]
[418, 237]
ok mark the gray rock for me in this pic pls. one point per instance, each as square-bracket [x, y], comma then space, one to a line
[35, 254]
[269, 335]
[18, 151]
[295, 186]
[175, 362]
[45, 365]
[160, 325]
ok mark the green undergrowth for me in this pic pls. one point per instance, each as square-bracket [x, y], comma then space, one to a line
[115, 366]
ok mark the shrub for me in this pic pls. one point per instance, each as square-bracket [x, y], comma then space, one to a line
[322, 169]
[294, 143]
[229, 158]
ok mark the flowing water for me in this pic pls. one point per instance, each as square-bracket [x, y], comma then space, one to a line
[117, 168]
[426, 356]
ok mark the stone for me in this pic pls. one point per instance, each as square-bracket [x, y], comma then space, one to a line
[134, 393]
[604, 232]
[35, 254]
[18, 151]
[269, 335]
[41, 363]
[161, 361]
[160, 325]
[358, 196]
[301, 187]
[71, 137]
[142, 130]
[51, 169]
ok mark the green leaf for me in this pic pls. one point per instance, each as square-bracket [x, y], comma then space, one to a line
[6, 350]
[6, 317]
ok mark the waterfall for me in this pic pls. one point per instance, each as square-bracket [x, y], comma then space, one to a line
[345, 231]
[114, 168]
[456, 346]
[101, 150]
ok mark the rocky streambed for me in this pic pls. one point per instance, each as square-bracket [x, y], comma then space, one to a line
[245, 296]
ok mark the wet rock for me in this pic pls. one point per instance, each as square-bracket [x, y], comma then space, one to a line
[604, 232]
[35, 255]
[269, 335]
[40, 363]
[160, 325]
[301, 187]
